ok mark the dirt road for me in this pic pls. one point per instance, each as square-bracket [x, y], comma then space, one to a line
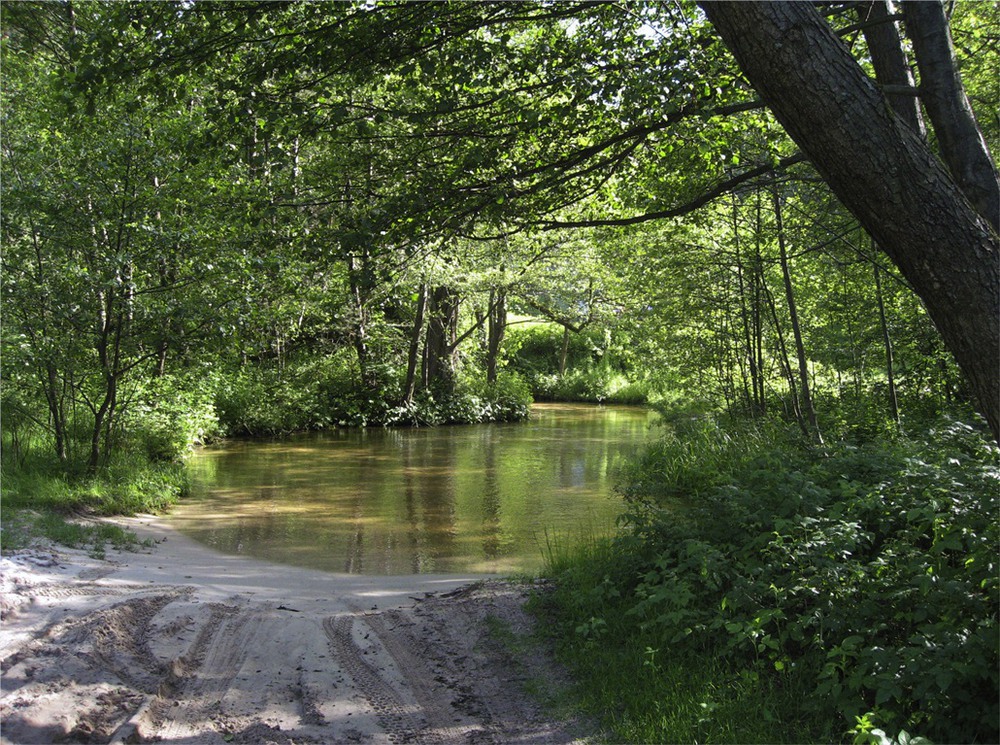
[183, 645]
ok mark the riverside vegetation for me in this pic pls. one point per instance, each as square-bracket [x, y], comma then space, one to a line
[766, 590]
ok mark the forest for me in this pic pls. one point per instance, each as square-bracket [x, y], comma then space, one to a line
[777, 223]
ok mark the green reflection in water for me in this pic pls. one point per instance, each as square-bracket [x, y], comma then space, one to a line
[476, 498]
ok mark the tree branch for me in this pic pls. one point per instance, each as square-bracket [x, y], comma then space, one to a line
[700, 201]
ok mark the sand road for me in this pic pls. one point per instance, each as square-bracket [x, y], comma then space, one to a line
[185, 645]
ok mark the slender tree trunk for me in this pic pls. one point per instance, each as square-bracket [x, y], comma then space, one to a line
[800, 349]
[57, 410]
[786, 365]
[751, 335]
[748, 371]
[887, 342]
[889, 60]
[411, 358]
[564, 352]
[759, 289]
[497, 327]
[359, 294]
[882, 171]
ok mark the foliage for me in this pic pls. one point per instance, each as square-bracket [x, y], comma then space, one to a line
[171, 415]
[597, 368]
[863, 576]
[535, 349]
[41, 500]
[187, 189]
[321, 393]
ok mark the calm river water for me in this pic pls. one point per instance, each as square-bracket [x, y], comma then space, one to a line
[479, 498]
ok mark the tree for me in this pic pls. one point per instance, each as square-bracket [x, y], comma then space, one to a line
[112, 222]
[882, 171]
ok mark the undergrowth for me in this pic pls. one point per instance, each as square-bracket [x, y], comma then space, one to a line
[41, 500]
[763, 591]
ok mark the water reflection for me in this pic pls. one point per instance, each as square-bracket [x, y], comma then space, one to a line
[449, 499]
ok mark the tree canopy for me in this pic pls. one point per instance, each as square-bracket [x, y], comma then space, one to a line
[386, 183]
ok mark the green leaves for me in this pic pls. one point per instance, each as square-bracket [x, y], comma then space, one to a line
[872, 589]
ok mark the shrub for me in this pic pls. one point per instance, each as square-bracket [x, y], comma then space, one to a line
[170, 416]
[865, 575]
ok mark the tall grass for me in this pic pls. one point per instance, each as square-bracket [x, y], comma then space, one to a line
[44, 500]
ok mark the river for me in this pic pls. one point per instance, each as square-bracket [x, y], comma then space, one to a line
[477, 498]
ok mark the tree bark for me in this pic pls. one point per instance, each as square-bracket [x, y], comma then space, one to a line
[882, 171]
[889, 60]
[57, 410]
[962, 144]
[442, 334]
[793, 314]
[411, 360]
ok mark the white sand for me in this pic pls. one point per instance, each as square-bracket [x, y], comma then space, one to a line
[185, 645]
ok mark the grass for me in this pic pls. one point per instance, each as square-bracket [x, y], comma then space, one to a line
[27, 528]
[44, 503]
[519, 647]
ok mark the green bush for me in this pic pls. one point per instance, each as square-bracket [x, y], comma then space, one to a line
[593, 385]
[273, 400]
[864, 576]
[171, 415]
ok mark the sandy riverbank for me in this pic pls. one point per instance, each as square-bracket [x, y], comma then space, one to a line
[181, 644]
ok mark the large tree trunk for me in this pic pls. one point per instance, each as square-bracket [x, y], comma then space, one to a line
[882, 171]
[441, 339]
[962, 144]
[889, 61]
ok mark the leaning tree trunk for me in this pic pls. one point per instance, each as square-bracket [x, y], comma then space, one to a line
[882, 171]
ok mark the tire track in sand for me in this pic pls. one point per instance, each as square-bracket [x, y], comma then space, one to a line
[121, 641]
[399, 718]
[435, 719]
[95, 625]
[437, 703]
[198, 680]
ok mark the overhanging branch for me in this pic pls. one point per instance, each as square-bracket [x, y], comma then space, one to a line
[701, 200]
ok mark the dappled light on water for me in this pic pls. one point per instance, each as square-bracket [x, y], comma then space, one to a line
[480, 498]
